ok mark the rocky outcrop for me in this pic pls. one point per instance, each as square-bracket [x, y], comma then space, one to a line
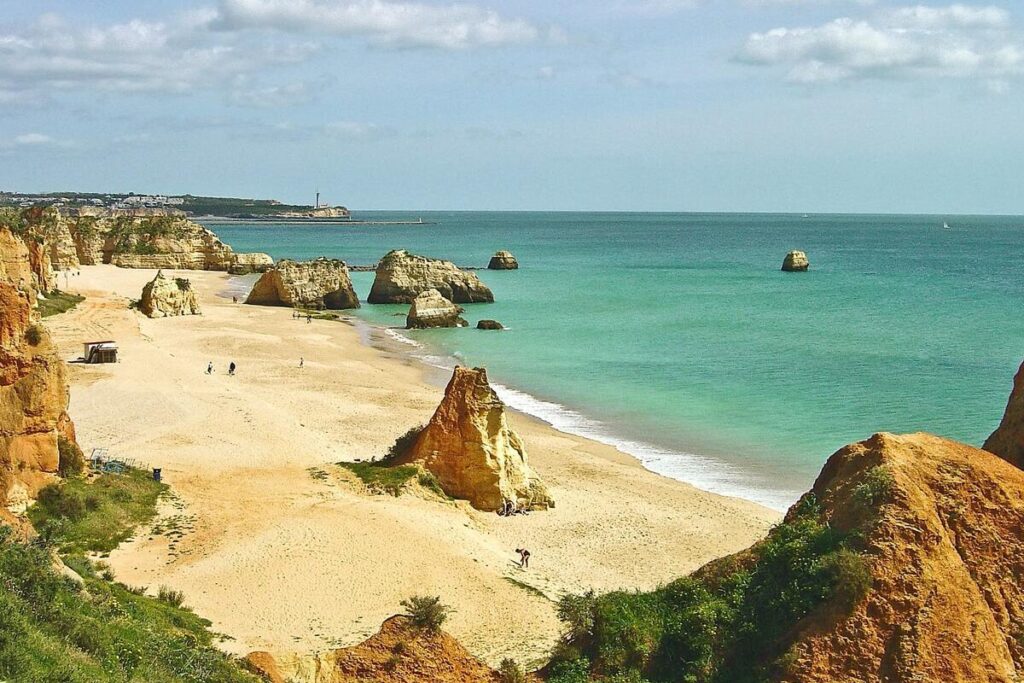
[33, 384]
[322, 283]
[164, 296]
[489, 325]
[946, 552]
[398, 653]
[430, 309]
[254, 262]
[1007, 441]
[470, 448]
[503, 260]
[795, 262]
[402, 276]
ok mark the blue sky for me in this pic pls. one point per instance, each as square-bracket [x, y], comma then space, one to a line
[690, 105]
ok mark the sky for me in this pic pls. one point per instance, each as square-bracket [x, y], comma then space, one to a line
[643, 105]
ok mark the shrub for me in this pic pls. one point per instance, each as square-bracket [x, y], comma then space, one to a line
[170, 596]
[426, 612]
[577, 613]
[875, 487]
[71, 459]
[402, 445]
[63, 503]
[34, 335]
[851, 576]
[510, 672]
[570, 671]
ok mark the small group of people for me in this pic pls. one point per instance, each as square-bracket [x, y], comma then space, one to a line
[298, 315]
[231, 368]
[509, 508]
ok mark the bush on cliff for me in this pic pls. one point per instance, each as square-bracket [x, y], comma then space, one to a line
[71, 458]
[728, 624]
[426, 612]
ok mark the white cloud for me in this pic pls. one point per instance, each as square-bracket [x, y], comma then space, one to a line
[33, 139]
[394, 24]
[913, 42]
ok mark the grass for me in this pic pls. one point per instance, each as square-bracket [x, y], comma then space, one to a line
[96, 515]
[382, 479]
[58, 302]
[51, 630]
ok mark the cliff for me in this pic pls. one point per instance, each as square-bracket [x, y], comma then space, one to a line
[401, 277]
[398, 653]
[322, 283]
[1007, 441]
[130, 239]
[164, 296]
[472, 451]
[33, 385]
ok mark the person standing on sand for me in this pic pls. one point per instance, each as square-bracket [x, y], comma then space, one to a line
[309, 318]
[231, 369]
[209, 368]
[302, 361]
[524, 557]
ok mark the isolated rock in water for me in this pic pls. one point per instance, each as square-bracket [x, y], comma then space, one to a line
[503, 260]
[33, 384]
[489, 325]
[472, 451]
[399, 653]
[321, 283]
[164, 296]
[943, 533]
[402, 276]
[254, 262]
[1007, 441]
[430, 309]
[795, 261]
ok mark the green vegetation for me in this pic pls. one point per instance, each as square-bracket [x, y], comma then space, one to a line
[58, 302]
[402, 445]
[81, 516]
[729, 624]
[135, 235]
[232, 206]
[34, 335]
[71, 459]
[52, 630]
[875, 487]
[426, 612]
[381, 478]
[511, 672]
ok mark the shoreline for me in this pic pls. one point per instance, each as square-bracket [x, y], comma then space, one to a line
[285, 561]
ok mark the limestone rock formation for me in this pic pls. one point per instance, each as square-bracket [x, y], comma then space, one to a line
[402, 276]
[503, 260]
[33, 384]
[489, 325]
[321, 283]
[946, 553]
[398, 653]
[164, 296]
[255, 262]
[1007, 441]
[430, 309]
[472, 451]
[795, 262]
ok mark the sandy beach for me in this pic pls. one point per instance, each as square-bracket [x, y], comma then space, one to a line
[286, 552]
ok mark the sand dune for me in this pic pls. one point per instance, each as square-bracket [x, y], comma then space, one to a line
[284, 561]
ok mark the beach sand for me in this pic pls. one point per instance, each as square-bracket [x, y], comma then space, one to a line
[286, 552]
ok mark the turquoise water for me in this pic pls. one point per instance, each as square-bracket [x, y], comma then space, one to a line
[676, 336]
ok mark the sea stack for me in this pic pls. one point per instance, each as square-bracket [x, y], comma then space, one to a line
[489, 325]
[163, 297]
[472, 451]
[321, 283]
[503, 260]
[795, 262]
[402, 276]
[1007, 441]
[430, 309]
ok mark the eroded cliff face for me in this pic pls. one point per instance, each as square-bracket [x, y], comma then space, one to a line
[402, 276]
[398, 653]
[472, 451]
[163, 297]
[321, 283]
[946, 553]
[1007, 441]
[33, 384]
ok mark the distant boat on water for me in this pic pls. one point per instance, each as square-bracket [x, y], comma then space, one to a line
[946, 225]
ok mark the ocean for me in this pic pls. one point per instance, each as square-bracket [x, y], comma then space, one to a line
[677, 338]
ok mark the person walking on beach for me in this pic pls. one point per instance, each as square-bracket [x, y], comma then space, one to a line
[524, 557]
[309, 318]
[231, 369]
[302, 361]
[209, 368]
